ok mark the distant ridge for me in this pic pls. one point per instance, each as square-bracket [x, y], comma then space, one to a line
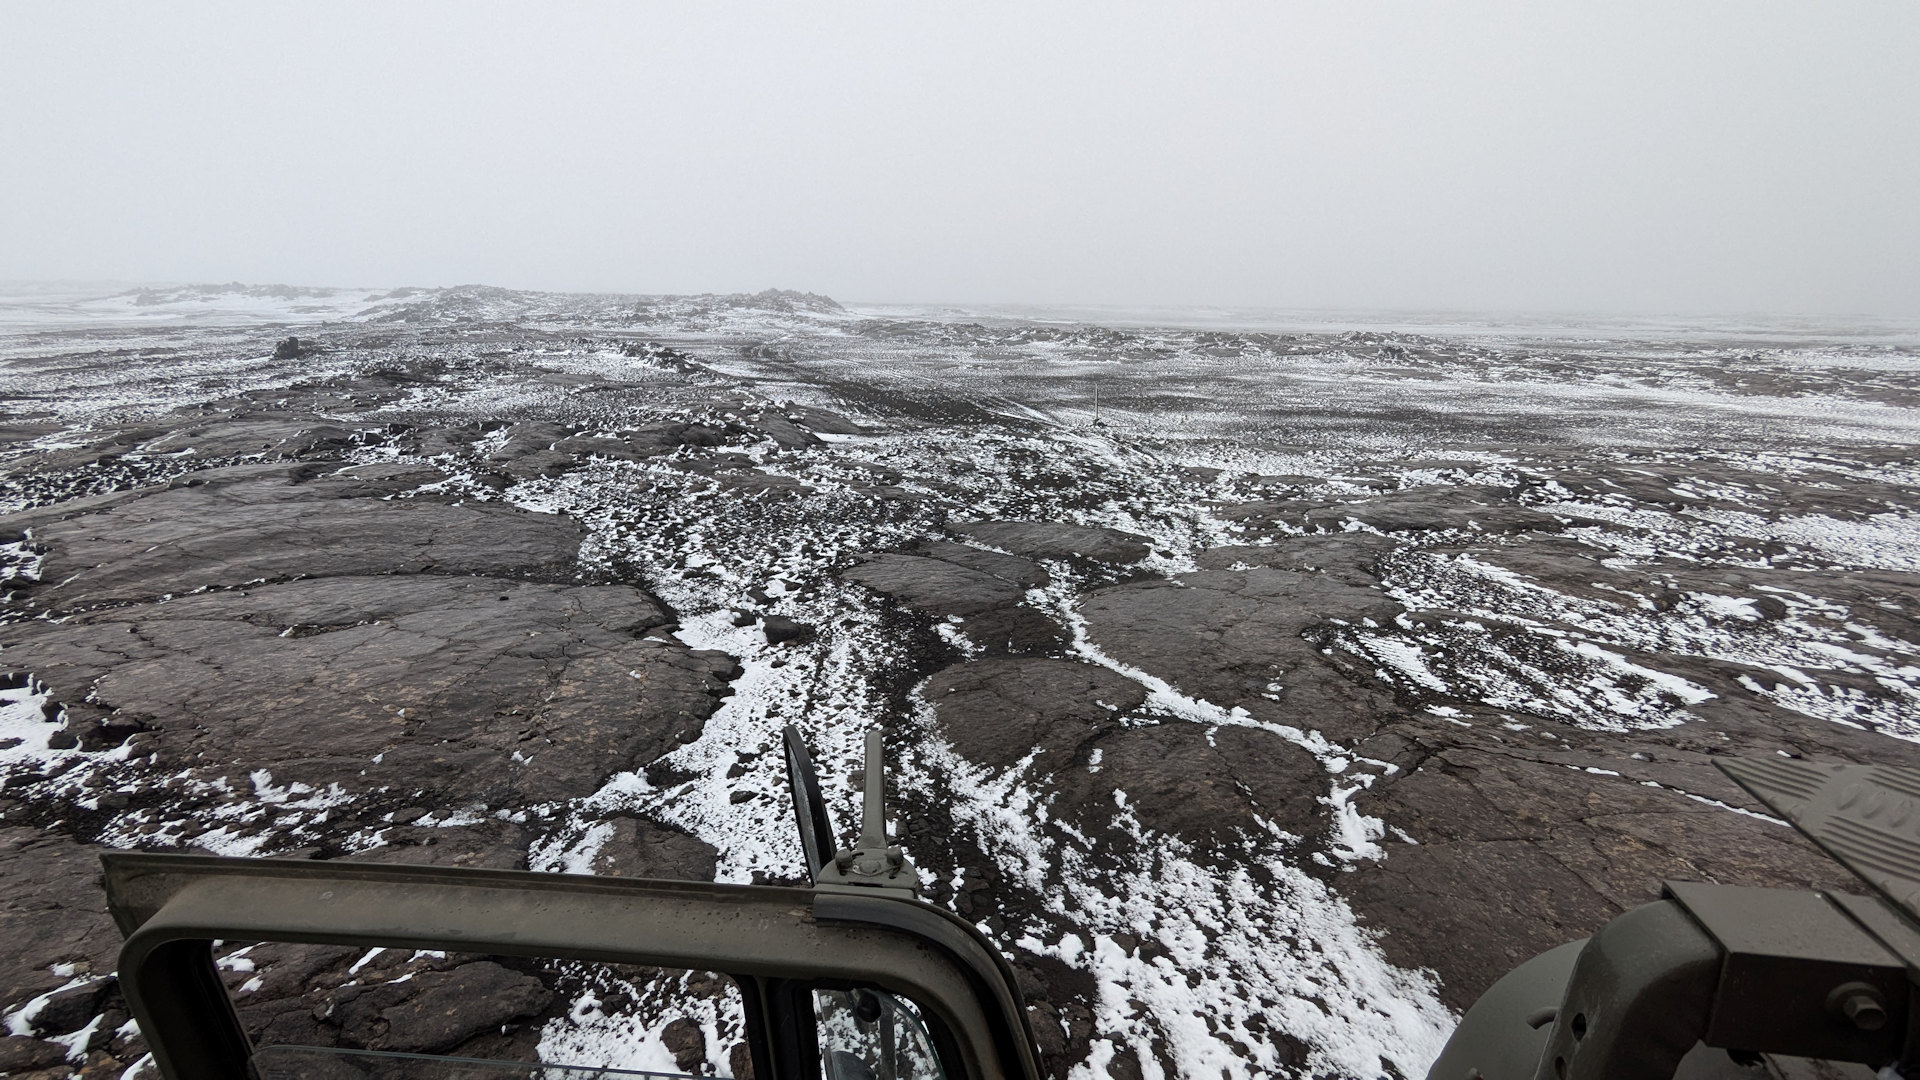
[469, 303]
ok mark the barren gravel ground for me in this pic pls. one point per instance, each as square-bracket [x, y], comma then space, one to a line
[1264, 693]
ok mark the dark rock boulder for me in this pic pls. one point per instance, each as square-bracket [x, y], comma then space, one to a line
[685, 1040]
[69, 1010]
[528, 437]
[785, 433]
[651, 439]
[779, 629]
[823, 421]
[20, 1055]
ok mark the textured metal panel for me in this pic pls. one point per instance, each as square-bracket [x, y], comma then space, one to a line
[1867, 817]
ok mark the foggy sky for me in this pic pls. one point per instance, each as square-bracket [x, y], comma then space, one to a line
[1673, 157]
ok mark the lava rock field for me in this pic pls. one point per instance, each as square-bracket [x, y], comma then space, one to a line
[1265, 694]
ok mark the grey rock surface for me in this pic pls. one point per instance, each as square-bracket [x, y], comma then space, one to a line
[1237, 640]
[417, 683]
[935, 586]
[267, 523]
[21, 1056]
[1565, 848]
[1203, 787]
[439, 1010]
[1058, 540]
[635, 848]
[998, 711]
[53, 914]
[1319, 681]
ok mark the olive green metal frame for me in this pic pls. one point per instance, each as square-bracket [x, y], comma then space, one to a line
[776, 943]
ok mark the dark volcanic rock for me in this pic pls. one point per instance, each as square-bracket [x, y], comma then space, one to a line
[935, 585]
[780, 629]
[1021, 572]
[529, 437]
[823, 421]
[69, 1010]
[53, 914]
[437, 1010]
[391, 675]
[1234, 638]
[1552, 852]
[1000, 710]
[269, 437]
[1202, 785]
[20, 1055]
[1351, 557]
[686, 1042]
[784, 433]
[491, 845]
[981, 592]
[1057, 540]
[643, 850]
[311, 622]
[635, 444]
[289, 971]
[422, 682]
[1446, 506]
[264, 523]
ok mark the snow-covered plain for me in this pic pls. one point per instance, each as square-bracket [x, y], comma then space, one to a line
[1163, 431]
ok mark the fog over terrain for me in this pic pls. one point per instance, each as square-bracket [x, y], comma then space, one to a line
[1697, 157]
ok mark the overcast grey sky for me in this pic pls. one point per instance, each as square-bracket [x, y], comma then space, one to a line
[1672, 156]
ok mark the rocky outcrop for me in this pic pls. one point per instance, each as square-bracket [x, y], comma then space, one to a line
[1552, 850]
[54, 917]
[290, 659]
[935, 586]
[1237, 639]
[228, 527]
[979, 592]
[1058, 540]
[1452, 659]
[999, 711]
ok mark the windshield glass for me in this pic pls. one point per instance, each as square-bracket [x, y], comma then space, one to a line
[872, 1035]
